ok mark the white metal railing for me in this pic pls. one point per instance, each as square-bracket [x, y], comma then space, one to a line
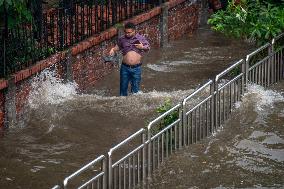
[97, 180]
[163, 137]
[130, 169]
[198, 115]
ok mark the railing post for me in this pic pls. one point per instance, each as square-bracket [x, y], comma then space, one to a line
[244, 77]
[3, 74]
[143, 158]
[109, 170]
[5, 38]
[114, 11]
[212, 109]
[61, 27]
[184, 122]
[271, 63]
[105, 174]
[180, 129]
[149, 153]
[272, 54]
[215, 105]
[247, 72]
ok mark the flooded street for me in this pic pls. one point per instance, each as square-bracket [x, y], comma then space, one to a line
[248, 152]
[64, 130]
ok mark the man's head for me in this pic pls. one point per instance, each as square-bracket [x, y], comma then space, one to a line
[129, 30]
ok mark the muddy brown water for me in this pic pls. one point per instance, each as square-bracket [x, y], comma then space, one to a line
[247, 152]
[64, 130]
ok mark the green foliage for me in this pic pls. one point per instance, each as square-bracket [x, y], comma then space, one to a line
[169, 118]
[119, 25]
[21, 52]
[256, 20]
[17, 12]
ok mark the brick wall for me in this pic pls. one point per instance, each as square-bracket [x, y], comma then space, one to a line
[2, 100]
[88, 67]
[23, 89]
[183, 19]
[84, 59]
[151, 29]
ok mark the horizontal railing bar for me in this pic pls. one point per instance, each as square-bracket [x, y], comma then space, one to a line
[65, 182]
[196, 106]
[259, 62]
[166, 128]
[231, 81]
[197, 91]
[256, 51]
[228, 69]
[91, 180]
[129, 154]
[56, 187]
[126, 140]
[277, 37]
[162, 116]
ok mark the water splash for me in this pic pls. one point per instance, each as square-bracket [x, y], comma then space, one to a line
[139, 103]
[159, 68]
[177, 62]
[168, 66]
[264, 99]
[47, 88]
[51, 99]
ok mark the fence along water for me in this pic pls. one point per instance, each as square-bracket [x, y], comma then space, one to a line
[58, 28]
[199, 115]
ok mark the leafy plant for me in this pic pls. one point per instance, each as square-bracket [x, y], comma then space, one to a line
[21, 52]
[168, 119]
[255, 20]
[16, 12]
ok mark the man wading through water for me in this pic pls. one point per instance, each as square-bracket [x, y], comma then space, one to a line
[132, 45]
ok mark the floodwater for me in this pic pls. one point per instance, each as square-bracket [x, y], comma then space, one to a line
[247, 152]
[63, 129]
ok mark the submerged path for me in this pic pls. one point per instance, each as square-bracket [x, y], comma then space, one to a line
[247, 153]
[64, 130]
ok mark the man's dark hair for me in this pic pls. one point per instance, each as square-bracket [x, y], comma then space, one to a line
[129, 25]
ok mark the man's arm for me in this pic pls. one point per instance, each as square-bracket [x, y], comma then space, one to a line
[113, 50]
[144, 44]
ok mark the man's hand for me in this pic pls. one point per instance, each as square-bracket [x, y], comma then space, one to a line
[111, 52]
[139, 46]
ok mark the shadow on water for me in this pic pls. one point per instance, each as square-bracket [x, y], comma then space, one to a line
[64, 130]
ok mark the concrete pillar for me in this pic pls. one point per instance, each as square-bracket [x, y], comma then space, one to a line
[10, 104]
[164, 25]
[203, 13]
[69, 67]
[120, 33]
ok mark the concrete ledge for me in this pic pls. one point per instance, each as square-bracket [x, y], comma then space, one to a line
[3, 84]
[145, 16]
[41, 65]
[174, 3]
[92, 41]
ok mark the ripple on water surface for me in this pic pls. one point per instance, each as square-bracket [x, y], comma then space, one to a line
[248, 152]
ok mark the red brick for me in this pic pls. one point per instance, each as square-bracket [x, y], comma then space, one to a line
[3, 84]
[2, 115]
[23, 91]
